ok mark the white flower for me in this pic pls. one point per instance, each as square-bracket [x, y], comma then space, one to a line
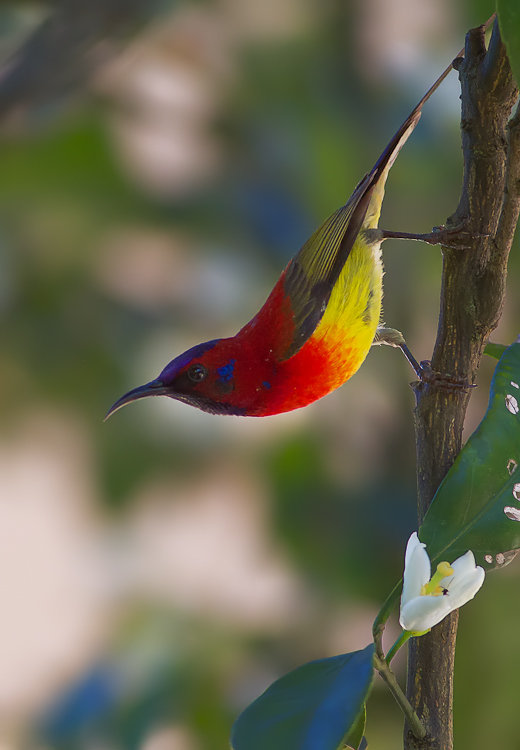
[426, 602]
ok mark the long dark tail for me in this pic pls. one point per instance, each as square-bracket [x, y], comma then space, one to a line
[361, 197]
[394, 146]
[328, 249]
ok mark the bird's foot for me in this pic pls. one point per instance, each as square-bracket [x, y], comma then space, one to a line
[423, 370]
[442, 380]
[454, 238]
[393, 337]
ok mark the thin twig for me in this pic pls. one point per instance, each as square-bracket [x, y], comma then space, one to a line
[383, 668]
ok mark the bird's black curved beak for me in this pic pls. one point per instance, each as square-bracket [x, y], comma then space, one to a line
[153, 388]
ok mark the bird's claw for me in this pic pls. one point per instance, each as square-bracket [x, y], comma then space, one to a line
[454, 238]
[442, 380]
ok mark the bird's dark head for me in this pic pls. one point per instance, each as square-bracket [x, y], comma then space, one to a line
[204, 377]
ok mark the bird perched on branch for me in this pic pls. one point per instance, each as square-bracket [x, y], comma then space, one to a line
[317, 325]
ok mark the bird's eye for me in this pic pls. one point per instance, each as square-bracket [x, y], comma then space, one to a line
[196, 373]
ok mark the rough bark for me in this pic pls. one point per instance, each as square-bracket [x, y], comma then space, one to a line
[472, 296]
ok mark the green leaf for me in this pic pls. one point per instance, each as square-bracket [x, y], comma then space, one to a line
[509, 23]
[477, 506]
[494, 350]
[356, 732]
[314, 707]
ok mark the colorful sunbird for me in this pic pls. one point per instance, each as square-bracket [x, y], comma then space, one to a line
[317, 325]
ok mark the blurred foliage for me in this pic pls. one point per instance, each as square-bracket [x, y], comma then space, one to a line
[342, 523]
[119, 247]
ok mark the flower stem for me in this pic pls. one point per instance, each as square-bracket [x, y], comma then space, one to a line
[388, 676]
[405, 635]
[383, 615]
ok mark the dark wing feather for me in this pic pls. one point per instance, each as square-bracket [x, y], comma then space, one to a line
[311, 275]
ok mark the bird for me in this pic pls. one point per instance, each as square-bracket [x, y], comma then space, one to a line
[317, 325]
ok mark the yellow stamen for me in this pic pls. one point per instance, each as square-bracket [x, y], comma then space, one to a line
[445, 569]
[433, 587]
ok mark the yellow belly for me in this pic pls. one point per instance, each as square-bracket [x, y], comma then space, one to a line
[354, 308]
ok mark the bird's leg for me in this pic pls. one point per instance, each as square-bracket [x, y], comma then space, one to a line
[455, 238]
[423, 370]
[393, 337]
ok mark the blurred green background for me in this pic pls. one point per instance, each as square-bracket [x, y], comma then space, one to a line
[160, 163]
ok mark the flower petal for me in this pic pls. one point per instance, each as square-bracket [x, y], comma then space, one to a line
[463, 564]
[420, 612]
[413, 543]
[423, 612]
[465, 587]
[416, 569]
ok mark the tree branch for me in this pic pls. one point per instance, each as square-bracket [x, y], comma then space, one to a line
[472, 297]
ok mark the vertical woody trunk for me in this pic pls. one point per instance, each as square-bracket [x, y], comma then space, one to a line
[472, 295]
